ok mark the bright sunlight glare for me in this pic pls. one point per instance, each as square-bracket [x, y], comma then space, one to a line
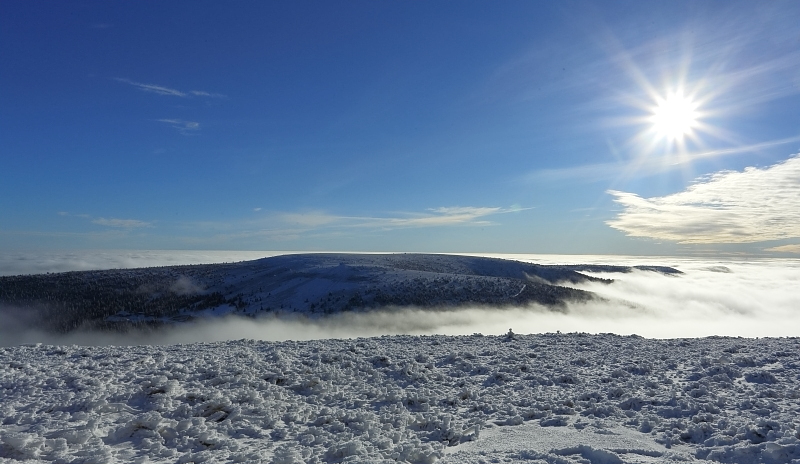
[674, 116]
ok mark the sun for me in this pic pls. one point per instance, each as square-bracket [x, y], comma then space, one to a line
[674, 116]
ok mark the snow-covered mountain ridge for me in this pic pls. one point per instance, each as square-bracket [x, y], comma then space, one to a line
[313, 284]
[550, 398]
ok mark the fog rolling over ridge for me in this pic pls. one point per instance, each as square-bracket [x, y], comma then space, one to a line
[754, 298]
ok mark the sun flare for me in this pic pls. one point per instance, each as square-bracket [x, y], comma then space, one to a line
[674, 116]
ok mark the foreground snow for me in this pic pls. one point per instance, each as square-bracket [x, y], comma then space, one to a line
[551, 398]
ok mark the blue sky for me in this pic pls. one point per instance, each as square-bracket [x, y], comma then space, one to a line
[400, 126]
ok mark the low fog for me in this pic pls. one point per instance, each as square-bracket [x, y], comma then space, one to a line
[749, 299]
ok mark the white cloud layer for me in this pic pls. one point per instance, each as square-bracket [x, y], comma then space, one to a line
[754, 205]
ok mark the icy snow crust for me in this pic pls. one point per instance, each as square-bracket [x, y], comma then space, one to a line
[552, 398]
[308, 284]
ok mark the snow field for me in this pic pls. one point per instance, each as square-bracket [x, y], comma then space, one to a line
[553, 398]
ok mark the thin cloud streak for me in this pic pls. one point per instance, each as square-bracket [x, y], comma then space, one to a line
[161, 90]
[785, 249]
[200, 93]
[309, 219]
[643, 167]
[435, 217]
[109, 222]
[751, 206]
[121, 223]
[293, 226]
[158, 89]
[184, 127]
[444, 216]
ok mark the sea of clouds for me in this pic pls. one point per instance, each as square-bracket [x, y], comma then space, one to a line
[734, 297]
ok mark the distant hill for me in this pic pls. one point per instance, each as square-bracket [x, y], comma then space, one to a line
[311, 284]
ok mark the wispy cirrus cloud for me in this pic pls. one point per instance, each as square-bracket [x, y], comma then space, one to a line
[443, 216]
[162, 90]
[200, 93]
[433, 217]
[287, 226]
[121, 223]
[290, 226]
[750, 206]
[310, 219]
[109, 222]
[184, 127]
[158, 89]
[646, 166]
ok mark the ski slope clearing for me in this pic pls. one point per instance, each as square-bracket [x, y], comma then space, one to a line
[551, 398]
[307, 284]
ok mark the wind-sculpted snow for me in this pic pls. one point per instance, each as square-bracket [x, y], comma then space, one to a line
[311, 284]
[552, 398]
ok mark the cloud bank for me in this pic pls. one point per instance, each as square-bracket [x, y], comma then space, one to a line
[754, 205]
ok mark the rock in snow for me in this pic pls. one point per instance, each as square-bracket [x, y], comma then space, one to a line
[310, 284]
[551, 398]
